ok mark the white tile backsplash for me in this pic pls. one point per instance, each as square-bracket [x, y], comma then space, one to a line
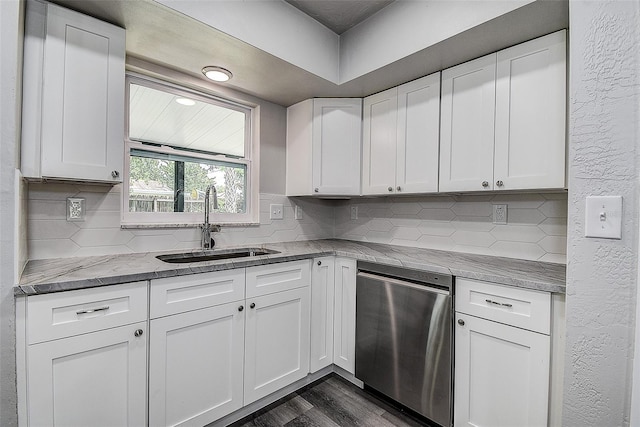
[536, 229]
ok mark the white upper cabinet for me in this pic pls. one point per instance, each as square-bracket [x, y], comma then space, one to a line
[531, 114]
[400, 138]
[503, 121]
[324, 147]
[73, 100]
[466, 131]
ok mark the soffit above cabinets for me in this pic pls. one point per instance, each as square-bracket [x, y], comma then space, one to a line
[159, 34]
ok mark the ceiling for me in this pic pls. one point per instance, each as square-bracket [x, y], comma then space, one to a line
[159, 35]
[340, 15]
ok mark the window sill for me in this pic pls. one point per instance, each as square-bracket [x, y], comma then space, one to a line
[198, 225]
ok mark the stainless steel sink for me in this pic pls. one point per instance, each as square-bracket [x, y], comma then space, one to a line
[187, 257]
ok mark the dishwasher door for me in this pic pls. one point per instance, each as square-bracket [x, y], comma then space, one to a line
[403, 343]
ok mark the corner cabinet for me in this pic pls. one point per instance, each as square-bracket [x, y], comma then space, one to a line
[502, 358]
[503, 121]
[322, 309]
[324, 147]
[73, 98]
[400, 139]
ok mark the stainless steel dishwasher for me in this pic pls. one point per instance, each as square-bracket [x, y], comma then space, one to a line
[403, 337]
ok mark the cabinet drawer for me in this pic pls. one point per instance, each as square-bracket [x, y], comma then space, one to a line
[185, 293]
[65, 314]
[266, 279]
[518, 307]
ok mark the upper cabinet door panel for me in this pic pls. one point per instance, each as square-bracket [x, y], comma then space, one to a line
[83, 97]
[530, 114]
[379, 142]
[336, 146]
[418, 135]
[467, 126]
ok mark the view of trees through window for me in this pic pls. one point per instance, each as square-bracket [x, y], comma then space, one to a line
[178, 185]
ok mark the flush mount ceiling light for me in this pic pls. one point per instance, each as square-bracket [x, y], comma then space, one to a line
[217, 74]
[185, 101]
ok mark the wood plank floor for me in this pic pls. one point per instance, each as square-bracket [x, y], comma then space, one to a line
[330, 402]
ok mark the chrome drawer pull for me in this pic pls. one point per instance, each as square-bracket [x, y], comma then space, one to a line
[499, 303]
[93, 310]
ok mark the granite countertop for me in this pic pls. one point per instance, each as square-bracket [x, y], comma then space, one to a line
[56, 275]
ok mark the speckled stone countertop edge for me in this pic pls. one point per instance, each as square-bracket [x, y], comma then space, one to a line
[59, 275]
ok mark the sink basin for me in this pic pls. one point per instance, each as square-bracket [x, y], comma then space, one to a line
[186, 257]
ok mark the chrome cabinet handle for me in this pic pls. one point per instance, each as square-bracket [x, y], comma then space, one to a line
[485, 184]
[241, 308]
[253, 305]
[398, 188]
[390, 188]
[460, 322]
[115, 174]
[138, 333]
[93, 310]
[319, 262]
[503, 304]
[499, 183]
[316, 190]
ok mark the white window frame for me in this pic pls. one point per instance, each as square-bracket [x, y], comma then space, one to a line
[250, 159]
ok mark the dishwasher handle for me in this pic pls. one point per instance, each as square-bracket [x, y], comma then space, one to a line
[425, 287]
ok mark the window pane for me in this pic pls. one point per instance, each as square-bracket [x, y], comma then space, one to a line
[164, 118]
[154, 183]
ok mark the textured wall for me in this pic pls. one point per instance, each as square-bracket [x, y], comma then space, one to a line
[536, 225]
[601, 274]
[10, 88]
[51, 236]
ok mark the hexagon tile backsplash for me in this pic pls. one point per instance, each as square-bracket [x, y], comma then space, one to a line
[536, 226]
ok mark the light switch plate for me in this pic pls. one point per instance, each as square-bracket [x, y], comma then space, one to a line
[354, 212]
[276, 211]
[297, 213]
[603, 217]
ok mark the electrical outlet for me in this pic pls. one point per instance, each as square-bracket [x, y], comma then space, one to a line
[354, 212]
[75, 209]
[297, 212]
[499, 214]
[275, 211]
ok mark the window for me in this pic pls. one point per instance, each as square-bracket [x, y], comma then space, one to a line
[180, 142]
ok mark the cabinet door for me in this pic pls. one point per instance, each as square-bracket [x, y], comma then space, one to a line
[276, 342]
[196, 365]
[467, 126]
[336, 141]
[344, 336]
[379, 143]
[501, 374]
[95, 379]
[83, 98]
[322, 292]
[530, 114]
[418, 135]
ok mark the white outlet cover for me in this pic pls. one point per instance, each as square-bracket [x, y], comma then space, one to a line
[75, 209]
[276, 211]
[603, 217]
[499, 214]
[354, 212]
[297, 213]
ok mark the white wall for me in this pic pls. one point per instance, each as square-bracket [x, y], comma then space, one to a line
[273, 26]
[10, 88]
[406, 27]
[602, 274]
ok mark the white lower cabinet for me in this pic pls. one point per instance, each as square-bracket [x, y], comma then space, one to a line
[501, 371]
[196, 365]
[322, 301]
[83, 357]
[276, 342]
[344, 333]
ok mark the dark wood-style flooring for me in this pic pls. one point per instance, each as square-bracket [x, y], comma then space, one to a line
[330, 402]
